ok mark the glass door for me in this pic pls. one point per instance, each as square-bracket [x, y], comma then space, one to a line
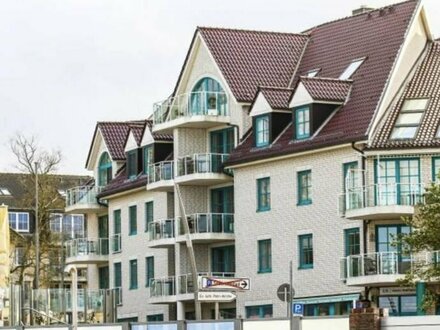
[103, 233]
[392, 258]
[222, 207]
[222, 142]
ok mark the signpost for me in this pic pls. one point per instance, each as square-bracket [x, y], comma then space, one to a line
[224, 283]
[216, 296]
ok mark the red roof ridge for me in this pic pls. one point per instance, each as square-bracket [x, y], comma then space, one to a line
[310, 30]
[275, 88]
[326, 79]
[250, 31]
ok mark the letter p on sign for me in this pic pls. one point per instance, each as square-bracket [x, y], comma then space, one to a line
[298, 309]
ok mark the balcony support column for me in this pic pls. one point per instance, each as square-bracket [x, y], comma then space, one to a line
[420, 294]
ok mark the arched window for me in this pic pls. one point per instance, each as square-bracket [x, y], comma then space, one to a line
[104, 169]
[208, 98]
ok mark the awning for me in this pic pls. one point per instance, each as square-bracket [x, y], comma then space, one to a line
[327, 299]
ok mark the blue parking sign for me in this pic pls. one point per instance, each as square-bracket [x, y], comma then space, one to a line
[298, 309]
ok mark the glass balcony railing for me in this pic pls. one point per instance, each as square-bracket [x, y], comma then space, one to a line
[87, 247]
[161, 229]
[209, 223]
[381, 194]
[161, 287]
[84, 195]
[161, 171]
[189, 105]
[201, 163]
[116, 243]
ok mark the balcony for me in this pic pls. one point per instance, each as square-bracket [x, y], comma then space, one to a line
[208, 228]
[193, 110]
[380, 201]
[116, 243]
[161, 233]
[83, 199]
[202, 169]
[87, 251]
[161, 176]
[381, 268]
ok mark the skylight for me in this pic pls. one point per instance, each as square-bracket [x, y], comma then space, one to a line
[313, 73]
[62, 192]
[5, 192]
[409, 119]
[351, 69]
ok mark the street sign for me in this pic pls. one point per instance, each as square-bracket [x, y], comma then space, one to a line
[298, 309]
[285, 293]
[222, 283]
[216, 296]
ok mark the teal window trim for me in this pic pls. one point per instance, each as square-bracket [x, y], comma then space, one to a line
[208, 94]
[132, 214]
[398, 231]
[304, 187]
[222, 141]
[104, 169]
[262, 131]
[305, 244]
[263, 194]
[133, 274]
[149, 270]
[117, 272]
[302, 123]
[352, 247]
[132, 168]
[259, 311]
[435, 164]
[265, 256]
[155, 318]
[147, 157]
[149, 214]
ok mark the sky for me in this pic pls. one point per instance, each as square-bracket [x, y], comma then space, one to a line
[66, 64]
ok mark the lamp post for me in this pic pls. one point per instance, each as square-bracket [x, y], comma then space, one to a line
[37, 232]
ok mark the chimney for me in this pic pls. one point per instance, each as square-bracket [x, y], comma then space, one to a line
[362, 10]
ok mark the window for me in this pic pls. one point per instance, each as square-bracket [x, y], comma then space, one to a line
[132, 170]
[263, 194]
[259, 312]
[117, 274]
[262, 131]
[222, 141]
[4, 192]
[409, 119]
[305, 251]
[149, 214]
[208, 98]
[149, 270]
[155, 318]
[104, 169]
[351, 69]
[302, 123]
[312, 73]
[103, 277]
[132, 210]
[352, 242]
[305, 187]
[148, 158]
[116, 240]
[72, 225]
[265, 256]
[133, 274]
[435, 169]
[399, 305]
[19, 221]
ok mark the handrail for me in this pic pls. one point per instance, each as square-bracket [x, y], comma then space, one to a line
[209, 223]
[44, 315]
[201, 163]
[82, 195]
[161, 229]
[86, 246]
[161, 171]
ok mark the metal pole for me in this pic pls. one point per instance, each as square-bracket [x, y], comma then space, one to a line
[37, 233]
[291, 290]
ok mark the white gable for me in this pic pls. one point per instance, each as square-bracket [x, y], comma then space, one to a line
[131, 143]
[300, 97]
[260, 106]
[147, 138]
[97, 148]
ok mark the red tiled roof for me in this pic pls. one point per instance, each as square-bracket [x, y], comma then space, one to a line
[138, 131]
[278, 98]
[378, 36]
[327, 89]
[248, 59]
[122, 183]
[158, 136]
[424, 84]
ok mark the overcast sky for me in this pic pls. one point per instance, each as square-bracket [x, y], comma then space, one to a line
[67, 64]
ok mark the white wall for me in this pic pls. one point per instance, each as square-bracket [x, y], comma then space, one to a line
[411, 322]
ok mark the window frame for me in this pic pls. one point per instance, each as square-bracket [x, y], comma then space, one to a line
[303, 264]
[133, 274]
[306, 123]
[261, 195]
[351, 69]
[403, 112]
[105, 170]
[260, 309]
[347, 242]
[433, 165]
[147, 157]
[264, 130]
[149, 215]
[16, 221]
[117, 274]
[132, 220]
[149, 270]
[132, 164]
[264, 256]
[301, 187]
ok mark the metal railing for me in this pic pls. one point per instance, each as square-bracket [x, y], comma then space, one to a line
[190, 104]
[116, 243]
[118, 295]
[381, 194]
[82, 195]
[161, 229]
[201, 163]
[161, 171]
[383, 263]
[208, 223]
[86, 247]
[165, 286]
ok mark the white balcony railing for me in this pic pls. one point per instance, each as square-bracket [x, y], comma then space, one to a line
[161, 171]
[161, 229]
[201, 163]
[116, 243]
[381, 194]
[209, 223]
[84, 195]
[161, 287]
[190, 104]
[87, 247]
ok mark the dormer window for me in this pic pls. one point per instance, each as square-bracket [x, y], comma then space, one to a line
[409, 119]
[302, 123]
[351, 69]
[148, 158]
[262, 131]
[132, 169]
[104, 169]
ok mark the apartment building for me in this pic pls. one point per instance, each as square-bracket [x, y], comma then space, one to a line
[274, 148]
